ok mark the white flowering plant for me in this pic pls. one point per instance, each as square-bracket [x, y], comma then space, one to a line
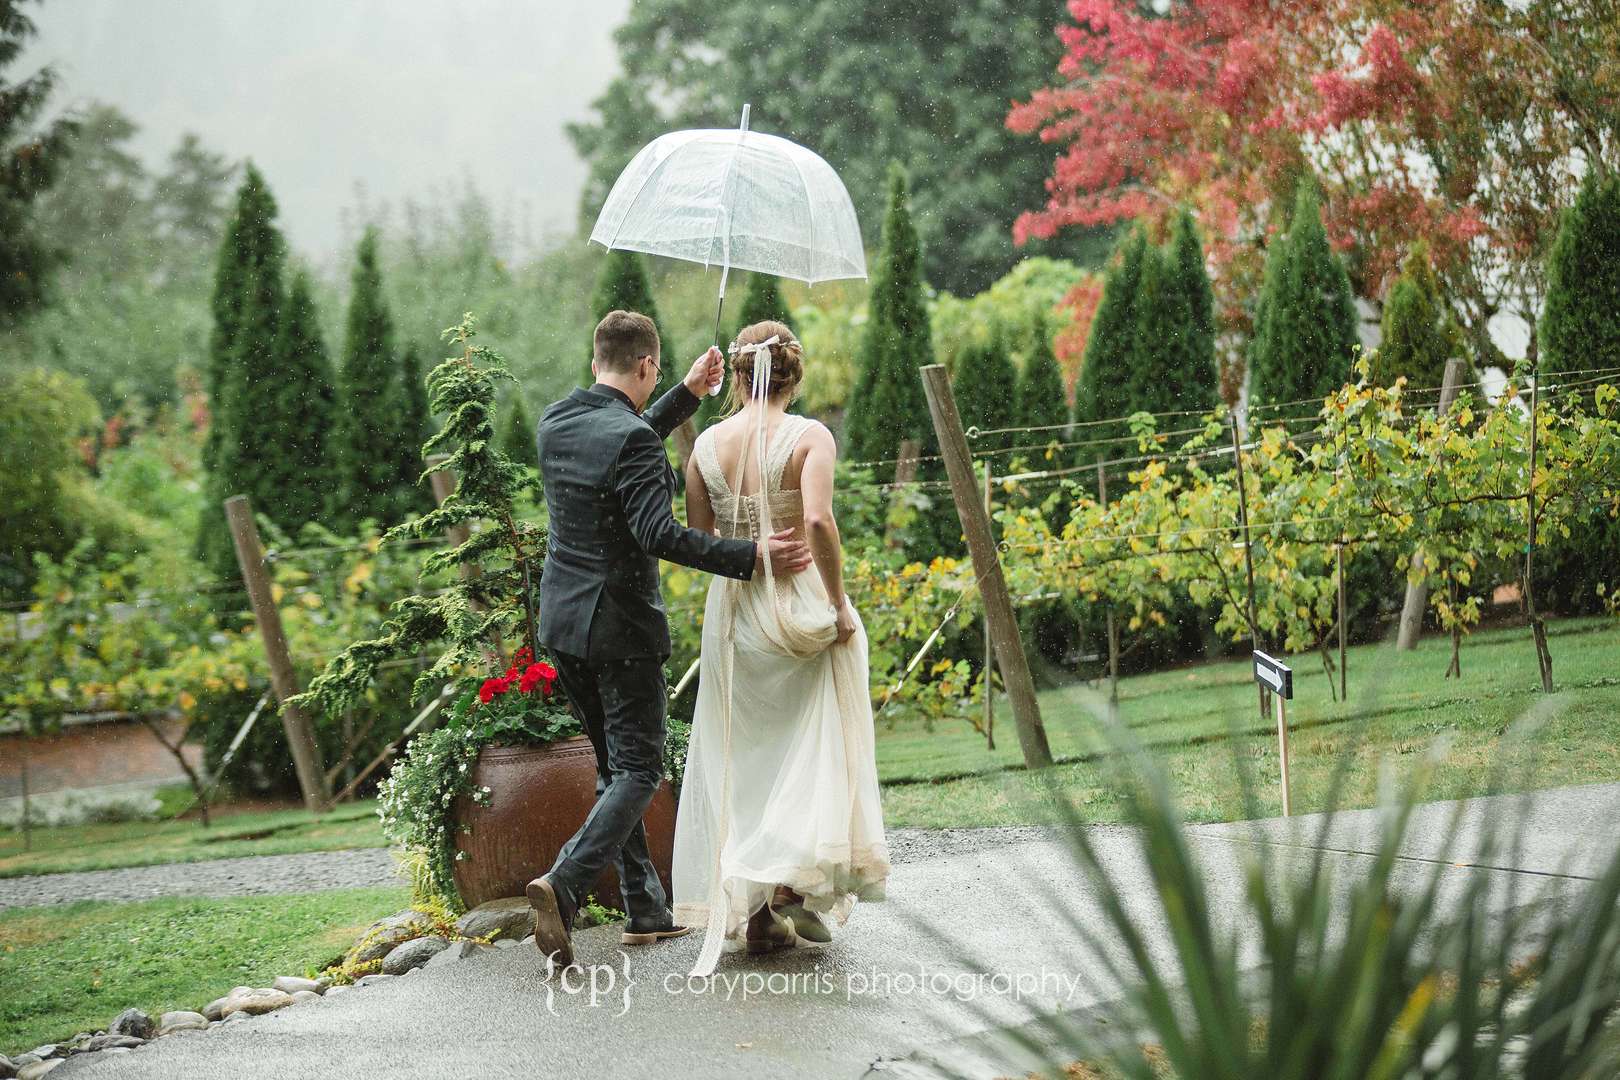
[416, 802]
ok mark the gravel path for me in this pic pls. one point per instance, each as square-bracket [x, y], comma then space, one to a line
[265, 875]
[253, 875]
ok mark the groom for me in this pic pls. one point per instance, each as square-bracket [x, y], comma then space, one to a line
[609, 490]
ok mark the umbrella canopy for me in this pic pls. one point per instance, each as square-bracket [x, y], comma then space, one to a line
[735, 198]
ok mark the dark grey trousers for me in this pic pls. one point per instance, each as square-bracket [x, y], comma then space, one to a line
[621, 703]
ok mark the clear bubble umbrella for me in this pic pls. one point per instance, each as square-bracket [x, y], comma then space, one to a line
[735, 198]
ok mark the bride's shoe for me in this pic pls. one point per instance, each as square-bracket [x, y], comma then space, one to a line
[767, 932]
[807, 926]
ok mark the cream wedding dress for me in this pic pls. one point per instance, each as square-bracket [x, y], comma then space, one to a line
[781, 783]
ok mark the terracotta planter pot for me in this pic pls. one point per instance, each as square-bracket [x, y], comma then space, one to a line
[538, 798]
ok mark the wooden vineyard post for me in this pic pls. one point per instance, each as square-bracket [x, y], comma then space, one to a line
[1417, 592]
[300, 735]
[989, 645]
[1113, 627]
[1344, 689]
[998, 607]
[1248, 550]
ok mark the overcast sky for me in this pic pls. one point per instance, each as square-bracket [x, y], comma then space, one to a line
[399, 95]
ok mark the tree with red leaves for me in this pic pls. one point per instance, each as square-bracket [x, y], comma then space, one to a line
[1466, 124]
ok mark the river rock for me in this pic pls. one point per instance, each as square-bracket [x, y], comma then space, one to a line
[412, 954]
[132, 1022]
[180, 1020]
[291, 984]
[255, 1002]
[215, 1010]
[337, 990]
[8, 1068]
[459, 950]
[107, 1042]
[384, 935]
[510, 917]
[37, 1069]
[301, 996]
[368, 980]
[237, 1015]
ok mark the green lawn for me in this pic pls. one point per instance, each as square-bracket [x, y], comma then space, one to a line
[1400, 703]
[72, 968]
[148, 843]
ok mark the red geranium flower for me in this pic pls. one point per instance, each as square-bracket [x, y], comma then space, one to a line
[491, 687]
[539, 675]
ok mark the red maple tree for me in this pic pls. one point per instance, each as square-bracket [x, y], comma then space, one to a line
[1464, 123]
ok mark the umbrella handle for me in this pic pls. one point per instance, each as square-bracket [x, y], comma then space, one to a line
[719, 307]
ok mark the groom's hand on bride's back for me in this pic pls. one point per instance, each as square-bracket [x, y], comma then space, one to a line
[787, 555]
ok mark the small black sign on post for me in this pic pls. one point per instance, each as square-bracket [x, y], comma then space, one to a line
[1278, 677]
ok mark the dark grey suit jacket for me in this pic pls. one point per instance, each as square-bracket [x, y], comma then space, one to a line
[609, 490]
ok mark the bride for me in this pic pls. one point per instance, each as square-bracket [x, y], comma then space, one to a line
[779, 820]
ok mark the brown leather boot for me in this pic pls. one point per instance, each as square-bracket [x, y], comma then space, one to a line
[553, 921]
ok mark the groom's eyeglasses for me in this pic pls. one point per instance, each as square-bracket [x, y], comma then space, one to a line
[658, 369]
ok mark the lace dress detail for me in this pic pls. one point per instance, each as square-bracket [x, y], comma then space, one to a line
[781, 777]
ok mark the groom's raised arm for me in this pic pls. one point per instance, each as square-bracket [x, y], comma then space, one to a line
[642, 483]
[677, 406]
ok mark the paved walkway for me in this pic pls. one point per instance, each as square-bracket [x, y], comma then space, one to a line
[899, 990]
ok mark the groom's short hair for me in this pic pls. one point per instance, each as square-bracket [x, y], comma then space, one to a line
[622, 338]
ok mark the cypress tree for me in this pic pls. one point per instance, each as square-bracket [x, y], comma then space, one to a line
[1420, 333]
[1042, 402]
[517, 435]
[1305, 328]
[306, 388]
[370, 397]
[1104, 389]
[1580, 329]
[622, 286]
[1580, 322]
[249, 420]
[763, 301]
[1173, 350]
[986, 385]
[415, 425]
[888, 404]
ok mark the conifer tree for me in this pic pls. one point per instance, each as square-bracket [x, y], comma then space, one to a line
[763, 301]
[888, 404]
[1305, 325]
[1580, 330]
[1580, 322]
[415, 425]
[622, 286]
[1103, 392]
[986, 385]
[1173, 353]
[1420, 333]
[370, 398]
[517, 434]
[1042, 402]
[307, 391]
[248, 415]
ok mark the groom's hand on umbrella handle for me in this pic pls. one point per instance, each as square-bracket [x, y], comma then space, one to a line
[787, 555]
[707, 371]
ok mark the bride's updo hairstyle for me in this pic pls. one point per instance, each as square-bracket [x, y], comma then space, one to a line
[787, 363]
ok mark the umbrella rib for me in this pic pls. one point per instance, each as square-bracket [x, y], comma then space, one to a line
[810, 206]
[617, 229]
